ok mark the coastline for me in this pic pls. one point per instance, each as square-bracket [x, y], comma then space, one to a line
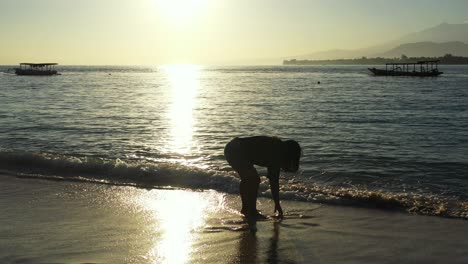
[448, 59]
[49, 221]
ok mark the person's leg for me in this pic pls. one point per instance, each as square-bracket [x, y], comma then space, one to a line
[243, 195]
[233, 155]
[252, 181]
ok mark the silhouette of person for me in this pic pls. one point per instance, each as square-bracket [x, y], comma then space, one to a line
[270, 152]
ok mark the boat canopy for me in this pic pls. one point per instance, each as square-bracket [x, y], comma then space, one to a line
[426, 68]
[27, 68]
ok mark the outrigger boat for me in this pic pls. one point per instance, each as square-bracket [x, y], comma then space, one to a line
[36, 69]
[419, 69]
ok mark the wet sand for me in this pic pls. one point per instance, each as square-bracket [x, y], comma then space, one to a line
[53, 221]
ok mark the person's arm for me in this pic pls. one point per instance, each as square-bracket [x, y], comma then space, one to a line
[273, 176]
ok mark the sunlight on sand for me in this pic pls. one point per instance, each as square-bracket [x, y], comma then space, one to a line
[178, 214]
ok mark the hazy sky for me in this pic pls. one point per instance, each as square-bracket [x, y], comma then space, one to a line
[205, 31]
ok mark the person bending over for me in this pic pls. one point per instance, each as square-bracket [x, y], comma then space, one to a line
[270, 152]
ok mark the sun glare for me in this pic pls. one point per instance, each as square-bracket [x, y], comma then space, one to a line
[183, 80]
[179, 11]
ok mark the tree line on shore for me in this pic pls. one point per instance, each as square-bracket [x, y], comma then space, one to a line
[446, 59]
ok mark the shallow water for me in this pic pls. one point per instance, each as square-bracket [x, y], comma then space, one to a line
[381, 141]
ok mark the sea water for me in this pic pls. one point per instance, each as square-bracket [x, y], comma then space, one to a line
[387, 142]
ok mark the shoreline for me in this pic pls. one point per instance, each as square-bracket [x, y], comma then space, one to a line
[50, 221]
[392, 202]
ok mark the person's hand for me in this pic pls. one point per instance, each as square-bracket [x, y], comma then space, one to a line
[279, 210]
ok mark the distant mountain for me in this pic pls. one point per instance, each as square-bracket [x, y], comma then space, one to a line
[336, 54]
[427, 49]
[442, 34]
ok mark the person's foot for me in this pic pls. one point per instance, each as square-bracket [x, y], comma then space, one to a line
[251, 221]
[244, 212]
[260, 216]
[257, 215]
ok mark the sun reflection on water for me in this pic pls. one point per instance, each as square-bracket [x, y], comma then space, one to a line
[178, 215]
[184, 82]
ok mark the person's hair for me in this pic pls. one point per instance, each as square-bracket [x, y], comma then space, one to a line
[292, 154]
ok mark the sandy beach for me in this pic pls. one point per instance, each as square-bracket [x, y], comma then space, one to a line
[72, 222]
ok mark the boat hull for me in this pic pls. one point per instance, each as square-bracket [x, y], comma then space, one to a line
[379, 72]
[19, 71]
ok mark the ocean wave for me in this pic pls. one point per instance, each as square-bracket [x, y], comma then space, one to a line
[430, 204]
[115, 171]
[151, 174]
